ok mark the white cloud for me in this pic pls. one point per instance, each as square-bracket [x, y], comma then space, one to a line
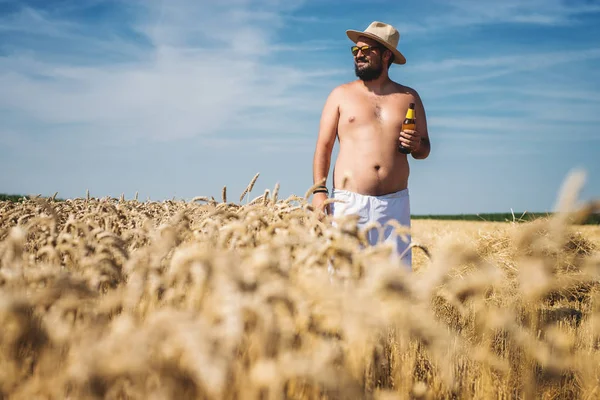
[465, 75]
[538, 81]
[508, 126]
[204, 69]
[462, 13]
[30, 20]
[513, 62]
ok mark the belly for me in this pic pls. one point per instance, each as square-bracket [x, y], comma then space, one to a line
[373, 163]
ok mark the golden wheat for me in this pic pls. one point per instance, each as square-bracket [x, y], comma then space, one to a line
[116, 298]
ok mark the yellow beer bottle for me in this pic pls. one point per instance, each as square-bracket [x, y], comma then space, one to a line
[409, 123]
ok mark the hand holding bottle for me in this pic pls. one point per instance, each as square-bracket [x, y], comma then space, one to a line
[409, 139]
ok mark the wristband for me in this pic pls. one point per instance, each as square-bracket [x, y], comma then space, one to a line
[321, 189]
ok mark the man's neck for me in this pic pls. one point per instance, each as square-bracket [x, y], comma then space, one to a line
[378, 85]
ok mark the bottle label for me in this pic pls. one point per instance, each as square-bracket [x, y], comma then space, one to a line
[410, 114]
[411, 127]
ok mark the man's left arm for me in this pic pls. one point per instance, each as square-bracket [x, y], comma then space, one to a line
[424, 147]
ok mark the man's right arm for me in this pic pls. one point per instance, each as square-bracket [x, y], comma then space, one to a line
[326, 139]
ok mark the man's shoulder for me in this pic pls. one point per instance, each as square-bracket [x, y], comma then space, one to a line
[344, 87]
[400, 88]
[338, 93]
[403, 91]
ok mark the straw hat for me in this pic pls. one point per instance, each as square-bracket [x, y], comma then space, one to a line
[385, 34]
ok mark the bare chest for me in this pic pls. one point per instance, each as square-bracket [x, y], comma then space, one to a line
[379, 113]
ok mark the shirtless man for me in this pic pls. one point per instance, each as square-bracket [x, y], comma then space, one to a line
[366, 116]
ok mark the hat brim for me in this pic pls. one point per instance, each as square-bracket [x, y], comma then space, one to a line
[354, 35]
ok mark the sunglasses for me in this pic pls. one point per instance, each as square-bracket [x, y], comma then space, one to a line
[365, 49]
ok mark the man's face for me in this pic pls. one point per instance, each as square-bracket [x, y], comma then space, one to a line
[368, 64]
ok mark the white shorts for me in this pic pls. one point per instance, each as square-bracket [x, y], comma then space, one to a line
[380, 209]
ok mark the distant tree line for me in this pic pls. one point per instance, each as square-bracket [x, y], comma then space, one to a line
[11, 197]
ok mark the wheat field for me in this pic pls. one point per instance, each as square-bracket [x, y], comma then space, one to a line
[105, 298]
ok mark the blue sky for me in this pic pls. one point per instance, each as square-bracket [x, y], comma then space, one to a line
[179, 98]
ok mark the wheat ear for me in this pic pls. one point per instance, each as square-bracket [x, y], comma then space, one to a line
[275, 193]
[249, 187]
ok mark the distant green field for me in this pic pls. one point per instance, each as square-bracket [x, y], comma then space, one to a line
[490, 217]
[594, 219]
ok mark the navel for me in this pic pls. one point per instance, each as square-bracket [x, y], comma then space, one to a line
[377, 167]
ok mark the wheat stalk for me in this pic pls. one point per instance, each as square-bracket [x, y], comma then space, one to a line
[248, 188]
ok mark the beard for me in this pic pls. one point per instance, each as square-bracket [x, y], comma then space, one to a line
[367, 72]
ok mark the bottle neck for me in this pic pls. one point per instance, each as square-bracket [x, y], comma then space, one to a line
[410, 114]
